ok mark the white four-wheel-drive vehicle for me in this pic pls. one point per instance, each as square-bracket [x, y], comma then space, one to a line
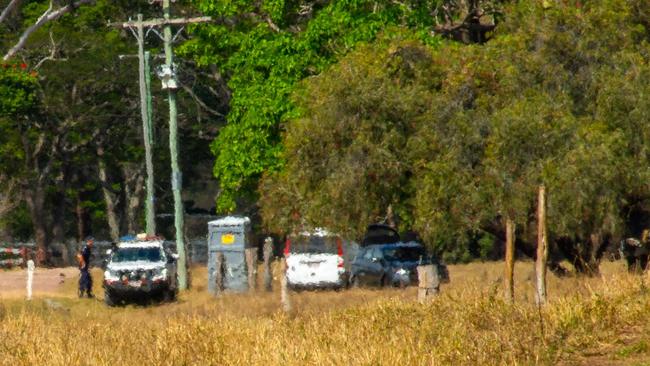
[315, 260]
[140, 270]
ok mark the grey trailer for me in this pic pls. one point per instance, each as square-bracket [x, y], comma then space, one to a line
[228, 237]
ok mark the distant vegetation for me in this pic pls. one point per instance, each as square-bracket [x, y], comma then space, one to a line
[444, 115]
[455, 139]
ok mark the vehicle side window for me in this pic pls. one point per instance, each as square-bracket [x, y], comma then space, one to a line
[367, 254]
[376, 253]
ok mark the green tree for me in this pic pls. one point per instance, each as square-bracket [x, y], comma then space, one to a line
[264, 48]
[548, 105]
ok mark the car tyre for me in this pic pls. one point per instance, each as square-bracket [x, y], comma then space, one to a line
[384, 281]
[356, 282]
[109, 299]
[169, 295]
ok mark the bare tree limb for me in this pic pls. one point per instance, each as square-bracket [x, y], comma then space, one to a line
[272, 25]
[7, 200]
[5, 13]
[47, 16]
[52, 55]
[200, 102]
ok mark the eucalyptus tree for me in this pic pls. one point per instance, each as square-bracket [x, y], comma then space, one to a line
[263, 48]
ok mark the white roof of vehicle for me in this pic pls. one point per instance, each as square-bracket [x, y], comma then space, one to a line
[230, 221]
[319, 231]
[141, 244]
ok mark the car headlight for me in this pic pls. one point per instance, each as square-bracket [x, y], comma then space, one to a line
[402, 272]
[110, 274]
[159, 272]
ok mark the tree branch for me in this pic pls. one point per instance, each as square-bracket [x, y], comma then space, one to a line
[52, 55]
[5, 13]
[47, 16]
[200, 102]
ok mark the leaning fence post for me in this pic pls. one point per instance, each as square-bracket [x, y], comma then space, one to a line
[268, 254]
[220, 266]
[30, 278]
[428, 282]
[251, 264]
[284, 291]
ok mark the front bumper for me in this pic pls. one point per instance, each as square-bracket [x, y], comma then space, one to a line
[136, 287]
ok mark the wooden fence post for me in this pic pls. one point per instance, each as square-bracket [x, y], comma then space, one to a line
[220, 267]
[251, 264]
[30, 278]
[268, 255]
[509, 286]
[284, 291]
[428, 282]
[542, 247]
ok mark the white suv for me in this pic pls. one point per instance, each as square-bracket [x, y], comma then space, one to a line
[140, 270]
[315, 260]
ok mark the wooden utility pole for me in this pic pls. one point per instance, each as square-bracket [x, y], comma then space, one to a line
[542, 247]
[168, 76]
[145, 111]
[508, 278]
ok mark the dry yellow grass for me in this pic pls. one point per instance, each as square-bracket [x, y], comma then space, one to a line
[588, 321]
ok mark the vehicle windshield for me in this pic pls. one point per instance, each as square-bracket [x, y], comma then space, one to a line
[314, 245]
[151, 254]
[404, 254]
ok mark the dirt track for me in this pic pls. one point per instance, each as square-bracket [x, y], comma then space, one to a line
[13, 282]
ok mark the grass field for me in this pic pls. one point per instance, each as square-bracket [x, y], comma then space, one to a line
[590, 321]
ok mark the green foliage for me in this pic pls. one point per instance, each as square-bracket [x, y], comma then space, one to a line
[347, 157]
[18, 223]
[18, 90]
[263, 65]
[461, 137]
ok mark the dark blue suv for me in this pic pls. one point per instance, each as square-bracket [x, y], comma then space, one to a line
[392, 264]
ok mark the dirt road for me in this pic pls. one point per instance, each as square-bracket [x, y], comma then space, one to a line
[46, 281]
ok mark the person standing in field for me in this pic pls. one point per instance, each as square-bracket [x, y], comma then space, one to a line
[85, 279]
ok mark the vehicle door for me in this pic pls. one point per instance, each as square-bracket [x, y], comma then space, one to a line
[363, 267]
[375, 270]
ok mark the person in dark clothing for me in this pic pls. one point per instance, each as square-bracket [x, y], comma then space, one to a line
[85, 279]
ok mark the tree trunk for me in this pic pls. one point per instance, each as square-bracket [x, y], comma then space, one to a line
[58, 211]
[390, 217]
[510, 261]
[58, 219]
[81, 219]
[111, 215]
[542, 247]
[35, 200]
[133, 192]
[584, 253]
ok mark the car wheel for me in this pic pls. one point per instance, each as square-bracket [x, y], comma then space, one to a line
[356, 282]
[109, 299]
[169, 295]
[384, 281]
[402, 284]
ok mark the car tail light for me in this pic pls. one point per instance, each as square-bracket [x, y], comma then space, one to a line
[339, 247]
[287, 247]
